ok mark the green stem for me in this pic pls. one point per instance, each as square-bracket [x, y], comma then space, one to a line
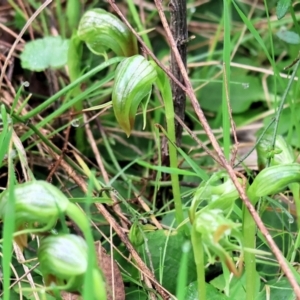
[226, 79]
[249, 229]
[199, 261]
[75, 214]
[137, 20]
[295, 187]
[165, 89]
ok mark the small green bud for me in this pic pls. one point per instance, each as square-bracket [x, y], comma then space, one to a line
[135, 235]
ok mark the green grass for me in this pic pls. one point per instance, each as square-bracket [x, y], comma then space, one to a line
[143, 190]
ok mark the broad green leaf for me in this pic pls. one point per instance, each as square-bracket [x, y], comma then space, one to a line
[165, 252]
[211, 292]
[133, 82]
[236, 287]
[101, 30]
[243, 92]
[48, 52]
[289, 37]
[277, 289]
[282, 8]
[133, 293]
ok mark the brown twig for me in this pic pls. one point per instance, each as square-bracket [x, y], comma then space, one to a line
[190, 93]
[195, 138]
[100, 163]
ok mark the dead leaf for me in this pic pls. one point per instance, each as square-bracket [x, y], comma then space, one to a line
[111, 273]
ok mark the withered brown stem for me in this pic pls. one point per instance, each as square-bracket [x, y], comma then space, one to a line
[178, 26]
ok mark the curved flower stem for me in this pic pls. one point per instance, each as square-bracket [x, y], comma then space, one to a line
[74, 213]
[199, 260]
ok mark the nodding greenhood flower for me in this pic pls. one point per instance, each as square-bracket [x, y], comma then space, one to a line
[216, 231]
[133, 82]
[213, 225]
[273, 180]
[36, 203]
[101, 30]
[64, 262]
[282, 154]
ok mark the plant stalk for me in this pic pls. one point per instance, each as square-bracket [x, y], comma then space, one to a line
[178, 25]
[249, 230]
[199, 260]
